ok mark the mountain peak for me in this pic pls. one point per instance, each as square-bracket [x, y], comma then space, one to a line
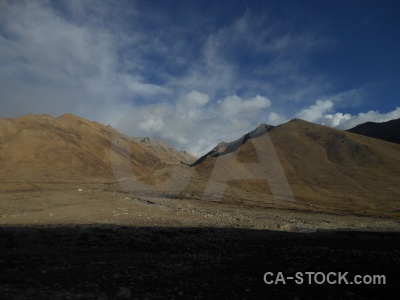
[301, 121]
[67, 116]
[224, 148]
[259, 130]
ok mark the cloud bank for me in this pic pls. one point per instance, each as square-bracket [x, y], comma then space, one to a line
[194, 124]
[318, 113]
[347, 121]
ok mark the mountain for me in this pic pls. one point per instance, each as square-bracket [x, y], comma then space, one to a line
[388, 131]
[40, 148]
[325, 167]
[296, 165]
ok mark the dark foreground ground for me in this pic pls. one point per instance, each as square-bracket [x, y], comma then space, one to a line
[113, 262]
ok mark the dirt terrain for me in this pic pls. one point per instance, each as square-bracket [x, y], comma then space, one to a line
[108, 204]
[99, 242]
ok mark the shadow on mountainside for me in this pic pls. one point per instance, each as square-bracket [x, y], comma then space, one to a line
[114, 262]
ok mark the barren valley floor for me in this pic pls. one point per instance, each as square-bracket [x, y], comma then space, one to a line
[102, 243]
[80, 204]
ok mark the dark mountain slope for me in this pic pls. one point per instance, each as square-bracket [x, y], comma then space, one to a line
[388, 131]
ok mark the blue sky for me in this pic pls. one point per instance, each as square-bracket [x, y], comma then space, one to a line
[194, 73]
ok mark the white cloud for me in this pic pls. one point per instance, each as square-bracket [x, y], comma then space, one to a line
[334, 120]
[194, 124]
[152, 124]
[347, 121]
[233, 105]
[192, 104]
[54, 64]
[195, 98]
[259, 102]
[315, 112]
[276, 119]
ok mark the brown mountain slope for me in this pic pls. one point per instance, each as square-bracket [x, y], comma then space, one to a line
[388, 131]
[40, 148]
[325, 167]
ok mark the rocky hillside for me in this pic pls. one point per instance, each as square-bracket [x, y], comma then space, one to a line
[40, 148]
[165, 152]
